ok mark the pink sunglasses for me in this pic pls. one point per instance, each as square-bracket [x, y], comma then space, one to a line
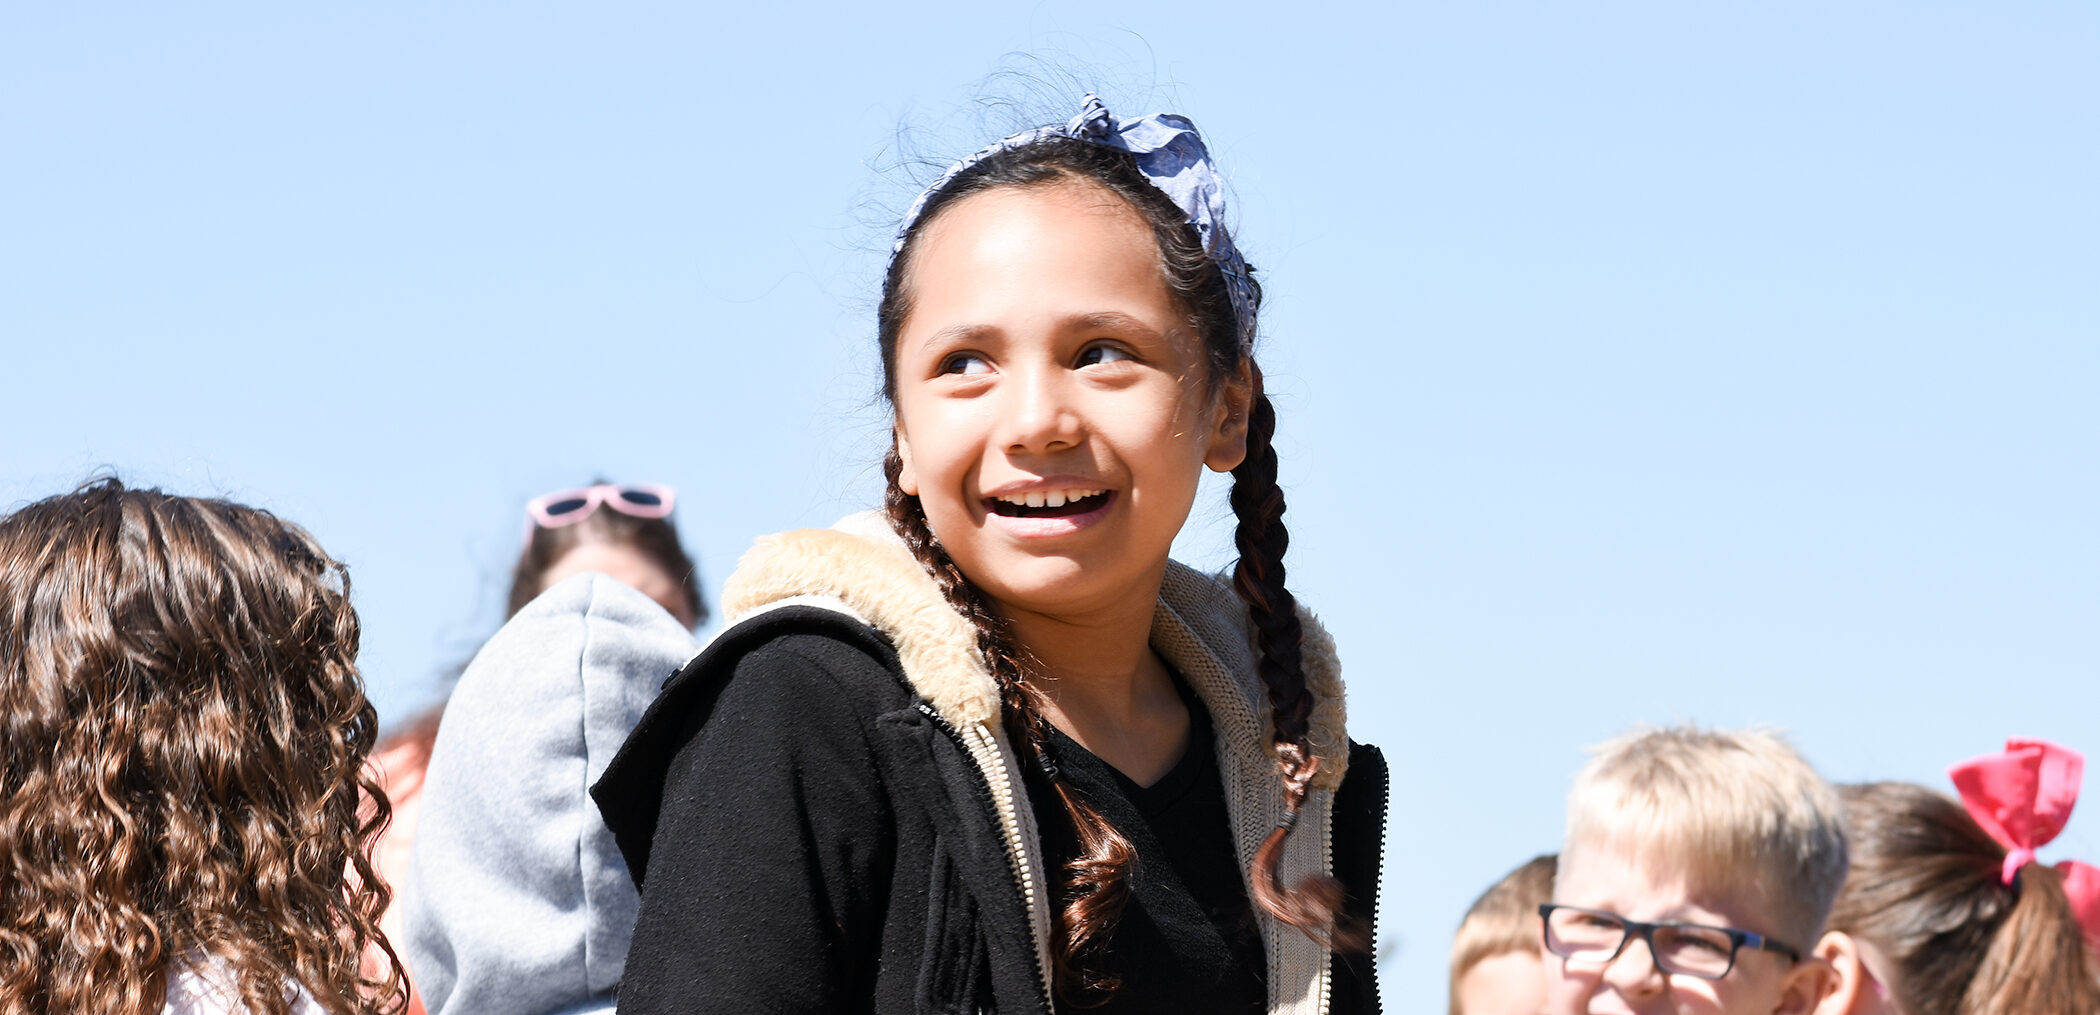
[567, 507]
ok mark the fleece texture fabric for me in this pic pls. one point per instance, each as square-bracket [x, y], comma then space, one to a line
[811, 841]
[1199, 626]
[864, 716]
[518, 900]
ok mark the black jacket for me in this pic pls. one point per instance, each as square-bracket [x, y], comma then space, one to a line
[813, 832]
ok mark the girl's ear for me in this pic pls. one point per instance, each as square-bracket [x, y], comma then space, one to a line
[1228, 432]
[907, 477]
[1852, 991]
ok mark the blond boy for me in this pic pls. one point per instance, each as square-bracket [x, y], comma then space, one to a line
[1698, 870]
[1495, 967]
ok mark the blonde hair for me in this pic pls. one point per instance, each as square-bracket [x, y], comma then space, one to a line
[1504, 919]
[1729, 809]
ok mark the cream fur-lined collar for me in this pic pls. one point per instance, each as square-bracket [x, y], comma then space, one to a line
[861, 564]
[1198, 625]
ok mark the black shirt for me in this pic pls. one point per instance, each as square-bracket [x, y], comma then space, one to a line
[1187, 940]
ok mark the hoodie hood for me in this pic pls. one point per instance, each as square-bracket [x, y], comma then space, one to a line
[518, 900]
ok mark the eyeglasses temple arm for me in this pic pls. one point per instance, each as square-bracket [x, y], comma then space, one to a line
[1764, 943]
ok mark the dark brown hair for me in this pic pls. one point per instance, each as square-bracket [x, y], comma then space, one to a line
[654, 538]
[1096, 885]
[1926, 890]
[182, 760]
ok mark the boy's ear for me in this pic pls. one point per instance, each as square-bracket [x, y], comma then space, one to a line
[1849, 993]
[1228, 435]
[907, 477]
[1807, 987]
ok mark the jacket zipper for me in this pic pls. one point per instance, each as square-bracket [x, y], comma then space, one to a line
[1385, 809]
[1326, 1005]
[985, 756]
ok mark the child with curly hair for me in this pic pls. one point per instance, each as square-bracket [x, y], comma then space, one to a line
[185, 734]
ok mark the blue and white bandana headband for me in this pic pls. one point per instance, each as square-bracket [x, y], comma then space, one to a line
[1171, 154]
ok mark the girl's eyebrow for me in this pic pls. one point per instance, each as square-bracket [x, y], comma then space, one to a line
[1110, 320]
[1100, 320]
[957, 333]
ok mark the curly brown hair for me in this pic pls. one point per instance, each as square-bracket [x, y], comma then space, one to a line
[183, 734]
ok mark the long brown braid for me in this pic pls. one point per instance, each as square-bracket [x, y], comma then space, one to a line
[1097, 883]
[1314, 905]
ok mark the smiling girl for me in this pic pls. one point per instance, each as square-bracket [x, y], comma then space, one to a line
[993, 750]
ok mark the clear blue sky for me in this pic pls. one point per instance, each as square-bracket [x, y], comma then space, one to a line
[1636, 362]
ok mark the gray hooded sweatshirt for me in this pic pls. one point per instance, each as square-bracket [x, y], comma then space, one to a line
[518, 902]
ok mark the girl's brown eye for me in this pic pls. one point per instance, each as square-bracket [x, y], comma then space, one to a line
[965, 363]
[1095, 354]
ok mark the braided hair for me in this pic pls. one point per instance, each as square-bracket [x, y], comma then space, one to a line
[1096, 885]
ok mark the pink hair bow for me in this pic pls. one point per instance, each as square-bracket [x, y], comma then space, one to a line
[2022, 798]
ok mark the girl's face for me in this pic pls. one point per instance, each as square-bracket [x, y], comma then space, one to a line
[1054, 407]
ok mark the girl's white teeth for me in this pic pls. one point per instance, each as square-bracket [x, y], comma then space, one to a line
[1050, 498]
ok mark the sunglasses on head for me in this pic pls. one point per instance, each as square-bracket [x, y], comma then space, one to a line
[567, 507]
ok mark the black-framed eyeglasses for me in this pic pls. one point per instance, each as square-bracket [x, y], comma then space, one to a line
[1689, 949]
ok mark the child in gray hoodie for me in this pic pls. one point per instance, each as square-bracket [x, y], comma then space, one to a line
[518, 901]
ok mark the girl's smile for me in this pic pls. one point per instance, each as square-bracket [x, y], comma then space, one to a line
[1047, 509]
[1054, 407]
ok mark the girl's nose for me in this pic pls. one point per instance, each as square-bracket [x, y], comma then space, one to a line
[1040, 416]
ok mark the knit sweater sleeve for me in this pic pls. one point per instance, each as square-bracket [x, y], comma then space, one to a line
[771, 855]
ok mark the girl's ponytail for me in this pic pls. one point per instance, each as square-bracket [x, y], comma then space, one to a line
[1927, 889]
[1315, 904]
[2037, 960]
